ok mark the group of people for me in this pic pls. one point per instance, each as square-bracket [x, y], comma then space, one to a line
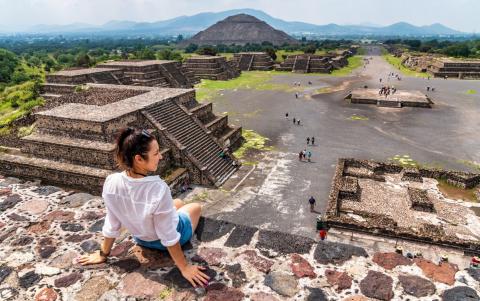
[321, 224]
[387, 90]
[305, 155]
[295, 120]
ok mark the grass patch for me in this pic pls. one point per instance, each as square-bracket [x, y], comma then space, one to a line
[404, 161]
[471, 92]
[253, 141]
[473, 165]
[397, 63]
[252, 80]
[454, 192]
[357, 117]
[354, 62]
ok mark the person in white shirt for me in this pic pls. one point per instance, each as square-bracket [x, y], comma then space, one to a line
[143, 204]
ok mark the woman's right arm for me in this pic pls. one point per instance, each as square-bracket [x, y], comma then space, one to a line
[192, 273]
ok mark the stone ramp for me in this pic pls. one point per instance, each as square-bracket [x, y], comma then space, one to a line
[190, 134]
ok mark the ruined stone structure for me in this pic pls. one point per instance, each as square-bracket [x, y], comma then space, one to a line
[73, 144]
[390, 200]
[155, 73]
[314, 63]
[250, 61]
[462, 69]
[399, 99]
[240, 30]
[211, 67]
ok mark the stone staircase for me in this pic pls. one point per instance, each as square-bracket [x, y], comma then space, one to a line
[245, 62]
[301, 64]
[189, 132]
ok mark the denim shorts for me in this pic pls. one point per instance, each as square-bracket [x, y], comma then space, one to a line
[184, 227]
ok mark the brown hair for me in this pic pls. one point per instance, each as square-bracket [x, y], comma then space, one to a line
[131, 142]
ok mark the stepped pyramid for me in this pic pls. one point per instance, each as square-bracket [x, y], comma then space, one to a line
[240, 29]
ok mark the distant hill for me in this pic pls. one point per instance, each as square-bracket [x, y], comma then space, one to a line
[190, 25]
[241, 29]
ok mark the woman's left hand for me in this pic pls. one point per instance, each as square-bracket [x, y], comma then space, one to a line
[94, 258]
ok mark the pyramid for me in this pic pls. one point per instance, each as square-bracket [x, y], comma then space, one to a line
[240, 29]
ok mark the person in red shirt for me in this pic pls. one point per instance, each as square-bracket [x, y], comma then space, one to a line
[323, 234]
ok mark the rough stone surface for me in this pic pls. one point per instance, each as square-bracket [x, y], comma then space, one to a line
[67, 280]
[152, 259]
[475, 273]
[357, 298]
[445, 272]
[17, 217]
[72, 227]
[377, 285]
[4, 272]
[121, 249]
[64, 261]
[210, 229]
[77, 199]
[47, 190]
[78, 237]
[240, 236]
[229, 293]
[460, 293]
[213, 256]
[337, 253]
[93, 288]
[22, 241]
[237, 275]
[40, 227]
[300, 267]
[416, 286]
[10, 202]
[390, 260]
[316, 294]
[262, 297]
[45, 251]
[8, 293]
[34, 206]
[260, 263]
[283, 243]
[60, 215]
[127, 265]
[283, 284]
[97, 226]
[137, 285]
[29, 279]
[46, 294]
[339, 279]
[90, 246]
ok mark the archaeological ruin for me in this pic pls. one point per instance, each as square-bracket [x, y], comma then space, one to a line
[399, 99]
[443, 67]
[315, 63]
[73, 140]
[153, 73]
[211, 67]
[252, 61]
[239, 30]
[403, 202]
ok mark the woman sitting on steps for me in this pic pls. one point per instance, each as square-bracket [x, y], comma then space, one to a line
[143, 204]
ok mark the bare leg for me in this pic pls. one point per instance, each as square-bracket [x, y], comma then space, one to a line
[193, 210]
[178, 203]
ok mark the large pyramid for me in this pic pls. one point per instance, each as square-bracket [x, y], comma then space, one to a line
[241, 29]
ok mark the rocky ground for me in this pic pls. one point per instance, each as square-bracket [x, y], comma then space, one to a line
[43, 229]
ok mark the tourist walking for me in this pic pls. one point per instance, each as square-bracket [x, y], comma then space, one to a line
[296, 95]
[143, 205]
[312, 202]
[300, 156]
[309, 156]
[308, 140]
[294, 120]
[298, 122]
[323, 234]
[313, 140]
[304, 153]
[286, 115]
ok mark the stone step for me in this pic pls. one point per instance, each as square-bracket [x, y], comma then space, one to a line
[85, 178]
[49, 96]
[71, 150]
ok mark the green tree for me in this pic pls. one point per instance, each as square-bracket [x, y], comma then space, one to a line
[8, 63]
[191, 48]
[310, 48]
[83, 60]
[207, 50]
[271, 52]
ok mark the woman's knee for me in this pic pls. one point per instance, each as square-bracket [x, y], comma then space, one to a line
[178, 203]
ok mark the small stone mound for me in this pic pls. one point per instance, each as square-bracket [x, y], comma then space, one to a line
[210, 229]
[283, 243]
[336, 253]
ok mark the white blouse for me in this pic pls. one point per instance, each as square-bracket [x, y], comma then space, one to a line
[143, 206]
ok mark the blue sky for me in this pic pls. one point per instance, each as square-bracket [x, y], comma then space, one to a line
[458, 14]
